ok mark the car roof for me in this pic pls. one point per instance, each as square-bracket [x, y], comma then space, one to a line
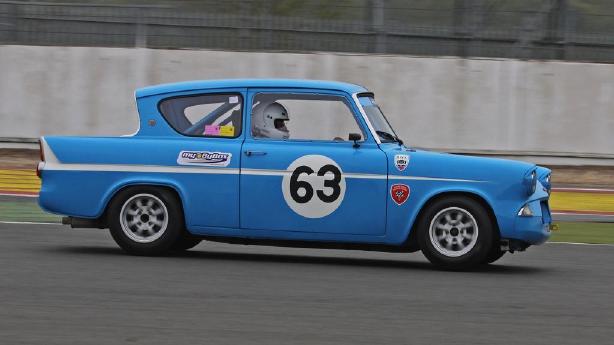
[247, 83]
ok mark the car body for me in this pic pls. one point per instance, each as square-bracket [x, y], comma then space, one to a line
[228, 185]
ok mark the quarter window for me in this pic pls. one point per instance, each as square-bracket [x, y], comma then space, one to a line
[210, 115]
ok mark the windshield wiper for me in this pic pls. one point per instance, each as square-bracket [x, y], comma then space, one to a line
[388, 136]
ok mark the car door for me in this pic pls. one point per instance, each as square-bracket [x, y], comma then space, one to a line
[316, 180]
[210, 124]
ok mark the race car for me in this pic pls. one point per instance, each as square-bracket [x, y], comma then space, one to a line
[299, 163]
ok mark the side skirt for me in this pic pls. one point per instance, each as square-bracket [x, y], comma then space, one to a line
[310, 244]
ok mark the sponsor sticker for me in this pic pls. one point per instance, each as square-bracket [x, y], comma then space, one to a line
[204, 158]
[399, 193]
[227, 131]
[401, 161]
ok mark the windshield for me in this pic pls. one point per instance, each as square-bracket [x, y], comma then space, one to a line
[378, 120]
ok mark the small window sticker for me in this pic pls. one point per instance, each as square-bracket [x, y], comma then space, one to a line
[233, 99]
[227, 131]
[213, 130]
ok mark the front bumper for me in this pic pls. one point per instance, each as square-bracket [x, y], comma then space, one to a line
[534, 229]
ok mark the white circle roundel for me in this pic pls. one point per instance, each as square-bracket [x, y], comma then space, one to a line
[314, 186]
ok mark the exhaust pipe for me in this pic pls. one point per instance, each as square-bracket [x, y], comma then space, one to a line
[75, 222]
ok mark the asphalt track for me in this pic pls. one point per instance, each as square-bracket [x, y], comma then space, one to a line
[63, 286]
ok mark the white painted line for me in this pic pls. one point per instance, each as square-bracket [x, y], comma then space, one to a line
[583, 244]
[582, 214]
[36, 223]
[565, 189]
[572, 243]
[23, 195]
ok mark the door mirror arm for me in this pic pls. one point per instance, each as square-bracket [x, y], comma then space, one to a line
[355, 137]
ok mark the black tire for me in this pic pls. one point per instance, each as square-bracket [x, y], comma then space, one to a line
[160, 241]
[462, 253]
[185, 242]
[494, 255]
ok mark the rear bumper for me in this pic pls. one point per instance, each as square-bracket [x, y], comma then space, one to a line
[534, 229]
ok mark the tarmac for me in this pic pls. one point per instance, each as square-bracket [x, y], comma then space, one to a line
[63, 286]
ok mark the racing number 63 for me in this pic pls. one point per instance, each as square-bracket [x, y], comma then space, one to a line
[295, 184]
[307, 199]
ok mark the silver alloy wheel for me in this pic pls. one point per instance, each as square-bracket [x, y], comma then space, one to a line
[144, 218]
[453, 231]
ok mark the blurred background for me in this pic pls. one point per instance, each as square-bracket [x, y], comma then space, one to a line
[524, 78]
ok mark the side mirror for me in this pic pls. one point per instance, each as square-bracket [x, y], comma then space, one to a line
[355, 137]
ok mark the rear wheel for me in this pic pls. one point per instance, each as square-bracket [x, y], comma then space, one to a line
[145, 220]
[455, 233]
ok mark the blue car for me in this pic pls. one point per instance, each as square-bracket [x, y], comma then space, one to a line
[298, 163]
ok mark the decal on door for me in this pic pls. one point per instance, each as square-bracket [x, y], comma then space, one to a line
[204, 158]
[315, 186]
[401, 161]
[399, 193]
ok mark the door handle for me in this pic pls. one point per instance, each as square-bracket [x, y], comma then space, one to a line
[254, 153]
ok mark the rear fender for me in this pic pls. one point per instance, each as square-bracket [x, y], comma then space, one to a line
[141, 182]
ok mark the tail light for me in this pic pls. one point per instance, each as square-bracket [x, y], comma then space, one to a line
[41, 151]
[40, 164]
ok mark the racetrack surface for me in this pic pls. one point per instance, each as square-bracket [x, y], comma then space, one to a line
[62, 286]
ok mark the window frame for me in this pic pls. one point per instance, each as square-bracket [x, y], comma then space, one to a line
[349, 103]
[242, 102]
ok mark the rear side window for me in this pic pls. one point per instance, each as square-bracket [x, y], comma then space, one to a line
[209, 115]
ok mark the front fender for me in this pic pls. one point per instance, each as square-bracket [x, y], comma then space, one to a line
[401, 219]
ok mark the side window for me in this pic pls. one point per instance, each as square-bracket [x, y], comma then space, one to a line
[296, 116]
[208, 115]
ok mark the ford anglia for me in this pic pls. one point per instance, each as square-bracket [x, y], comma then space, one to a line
[299, 163]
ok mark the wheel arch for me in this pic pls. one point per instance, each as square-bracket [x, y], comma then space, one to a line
[171, 187]
[411, 239]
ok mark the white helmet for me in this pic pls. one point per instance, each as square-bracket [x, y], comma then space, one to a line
[271, 122]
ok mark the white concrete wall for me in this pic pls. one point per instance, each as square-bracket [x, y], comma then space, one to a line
[447, 103]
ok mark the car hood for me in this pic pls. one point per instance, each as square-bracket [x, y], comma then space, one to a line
[454, 166]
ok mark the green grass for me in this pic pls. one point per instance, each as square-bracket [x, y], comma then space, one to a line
[584, 232]
[27, 210]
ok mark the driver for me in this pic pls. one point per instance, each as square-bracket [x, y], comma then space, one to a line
[271, 122]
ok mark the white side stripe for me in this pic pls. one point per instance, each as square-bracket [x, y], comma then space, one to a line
[139, 168]
[420, 178]
[265, 172]
[270, 172]
[214, 170]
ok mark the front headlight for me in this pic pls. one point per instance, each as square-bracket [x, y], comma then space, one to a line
[531, 182]
[547, 183]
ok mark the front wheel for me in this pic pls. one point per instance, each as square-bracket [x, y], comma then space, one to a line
[185, 242]
[494, 255]
[456, 233]
[145, 220]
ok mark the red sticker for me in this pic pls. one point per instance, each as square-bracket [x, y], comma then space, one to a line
[399, 193]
